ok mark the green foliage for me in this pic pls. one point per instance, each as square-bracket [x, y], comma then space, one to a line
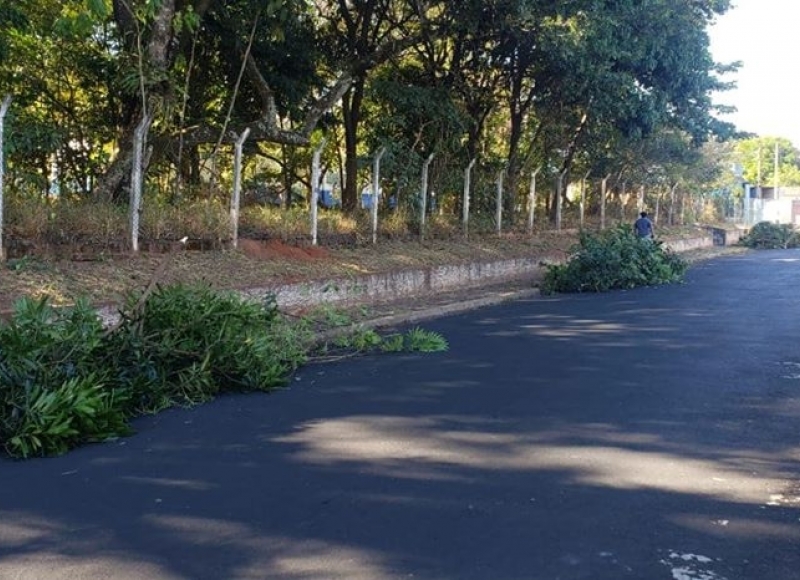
[769, 236]
[363, 340]
[393, 343]
[330, 317]
[360, 340]
[65, 380]
[76, 70]
[613, 259]
[53, 391]
[756, 157]
[56, 419]
[420, 340]
[186, 344]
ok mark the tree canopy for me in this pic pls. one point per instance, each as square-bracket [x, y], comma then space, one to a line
[518, 83]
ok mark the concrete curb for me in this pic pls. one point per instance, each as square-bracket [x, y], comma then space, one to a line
[391, 286]
[408, 317]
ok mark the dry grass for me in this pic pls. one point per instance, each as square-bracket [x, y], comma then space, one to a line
[261, 264]
[254, 264]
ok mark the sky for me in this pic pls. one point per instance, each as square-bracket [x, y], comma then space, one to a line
[763, 34]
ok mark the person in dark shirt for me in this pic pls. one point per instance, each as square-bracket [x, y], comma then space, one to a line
[643, 227]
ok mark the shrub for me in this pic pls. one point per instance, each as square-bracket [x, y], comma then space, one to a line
[613, 259]
[769, 236]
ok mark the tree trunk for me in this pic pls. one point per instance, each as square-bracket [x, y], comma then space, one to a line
[513, 168]
[572, 149]
[112, 186]
[154, 56]
[351, 113]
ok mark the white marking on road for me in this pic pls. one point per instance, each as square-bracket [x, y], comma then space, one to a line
[691, 567]
[690, 557]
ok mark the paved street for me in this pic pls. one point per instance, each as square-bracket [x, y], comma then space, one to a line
[650, 434]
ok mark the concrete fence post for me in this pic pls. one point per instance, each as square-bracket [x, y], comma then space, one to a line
[583, 199]
[532, 200]
[3, 110]
[559, 194]
[376, 188]
[237, 186]
[499, 202]
[423, 196]
[465, 201]
[315, 182]
[137, 178]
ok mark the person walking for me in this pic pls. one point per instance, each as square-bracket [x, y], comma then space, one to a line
[643, 227]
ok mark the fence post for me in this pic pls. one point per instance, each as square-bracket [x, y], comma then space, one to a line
[423, 196]
[657, 206]
[315, 180]
[671, 214]
[532, 200]
[559, 190]
[3, 110]
[499, 210]
[603, 193]
[376, 187]
[465, 205]
[237, 186]
[745, 195]
[583, 198]
[137, 177]
[683, 207]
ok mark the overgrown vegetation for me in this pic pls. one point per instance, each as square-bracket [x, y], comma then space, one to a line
[66, 380]
[614, 259]
[770, 236]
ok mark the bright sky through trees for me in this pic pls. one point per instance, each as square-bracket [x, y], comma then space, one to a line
[763, 34]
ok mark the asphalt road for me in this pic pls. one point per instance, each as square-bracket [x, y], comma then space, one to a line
[649, 434]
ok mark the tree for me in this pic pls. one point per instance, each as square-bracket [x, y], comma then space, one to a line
[518, 82]
[60, 69]
[153, 40]
[756, 156]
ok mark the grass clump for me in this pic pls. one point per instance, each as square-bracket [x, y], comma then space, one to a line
[415, 340]
[614, 259]
[770, 236]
